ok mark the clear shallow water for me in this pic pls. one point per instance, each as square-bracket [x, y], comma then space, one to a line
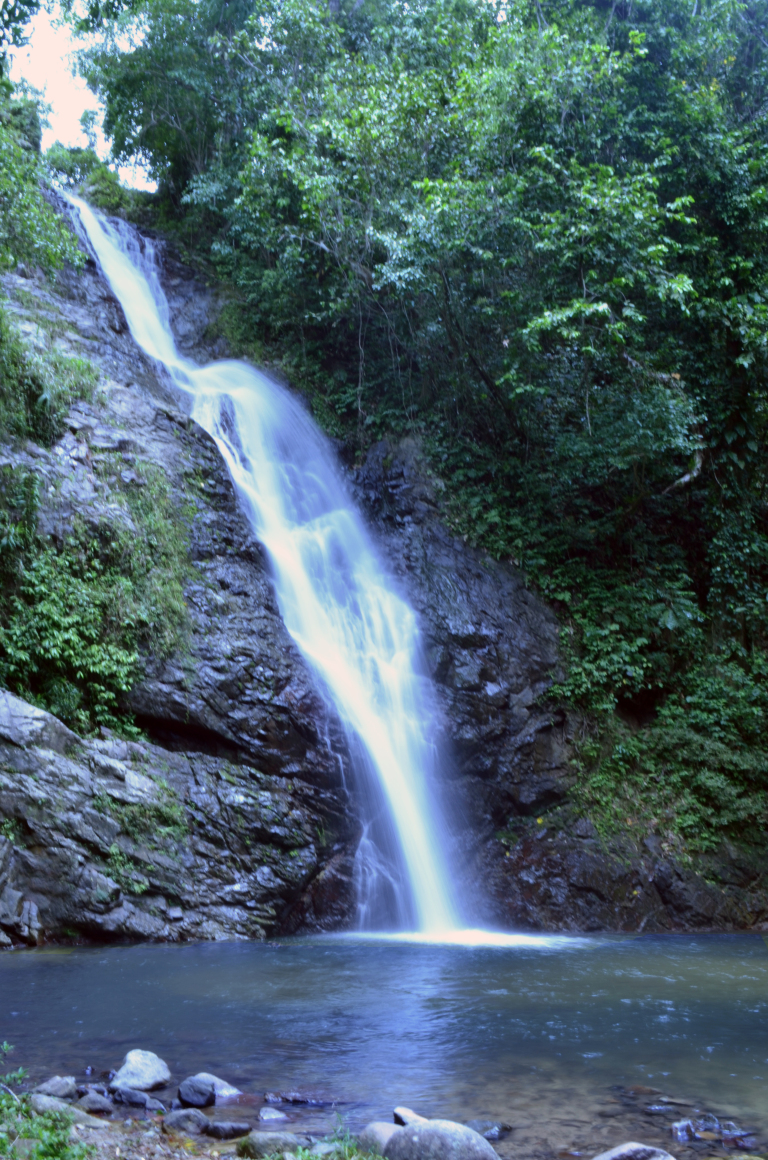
[538, 1029]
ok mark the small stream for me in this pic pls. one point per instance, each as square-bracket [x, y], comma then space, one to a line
[541, 1032]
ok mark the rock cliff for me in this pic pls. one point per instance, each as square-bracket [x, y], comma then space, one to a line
[231, 818]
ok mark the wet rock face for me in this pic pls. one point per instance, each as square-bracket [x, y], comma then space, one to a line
[490, 648]
[92, 852]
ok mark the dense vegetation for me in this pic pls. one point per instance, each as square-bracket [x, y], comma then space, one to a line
[28, 1135]
[534, 233]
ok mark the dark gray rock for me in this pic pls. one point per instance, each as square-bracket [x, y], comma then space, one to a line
[130, 1097]
[490, 1129]
[197, 1093]
[437, 1140]
[227, 1129]
[95, 1103]
[186, 1121]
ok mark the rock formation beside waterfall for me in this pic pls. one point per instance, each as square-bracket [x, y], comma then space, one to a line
[231, 817]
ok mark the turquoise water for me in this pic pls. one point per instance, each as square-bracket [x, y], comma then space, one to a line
[544, 1029]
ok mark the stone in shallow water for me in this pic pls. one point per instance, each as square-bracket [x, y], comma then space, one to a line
[634, 1151]
[188, 1121]
[405, 1116]
[376, 1135]
[222, 1089]
[135, 1099]
[258, 1144]
[490, 1129]
[195, 1092]
[95, 1103]
[63, 1087]
[226, 1129]
[267, 1114]
[143, 1071]
[438, 1140]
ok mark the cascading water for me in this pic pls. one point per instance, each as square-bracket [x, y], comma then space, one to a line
[358, 635]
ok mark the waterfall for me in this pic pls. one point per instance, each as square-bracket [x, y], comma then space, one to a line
[355, 631]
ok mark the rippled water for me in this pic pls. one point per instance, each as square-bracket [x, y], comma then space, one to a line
[535, 1033]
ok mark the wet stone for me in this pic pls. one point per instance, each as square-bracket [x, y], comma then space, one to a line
[63, 1087]
[186, 1121]
[94, 1103]
[196, 1092]
[438, 1140]
[227, 1129]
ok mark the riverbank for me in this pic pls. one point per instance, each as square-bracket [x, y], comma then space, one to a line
[265, 1124]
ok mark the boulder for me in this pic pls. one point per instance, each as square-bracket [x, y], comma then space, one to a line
[405, 1116]
[141, 1071]
[227, 1129]
[63, 1087]
[188, 1121]
[376, 1135]
[222, 1089]
[93, 1102]
[634, 1151]
[42, 1104]
[259, 1144]
[196, 1092]
[438, 1140]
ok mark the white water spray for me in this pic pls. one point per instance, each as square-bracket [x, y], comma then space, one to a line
[358, 635]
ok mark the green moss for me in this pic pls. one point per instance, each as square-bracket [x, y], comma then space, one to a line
[148, 822]
[124, 871]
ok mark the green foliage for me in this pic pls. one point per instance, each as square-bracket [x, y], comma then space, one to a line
[50, 1131]
[124, 871]
[30, 230]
